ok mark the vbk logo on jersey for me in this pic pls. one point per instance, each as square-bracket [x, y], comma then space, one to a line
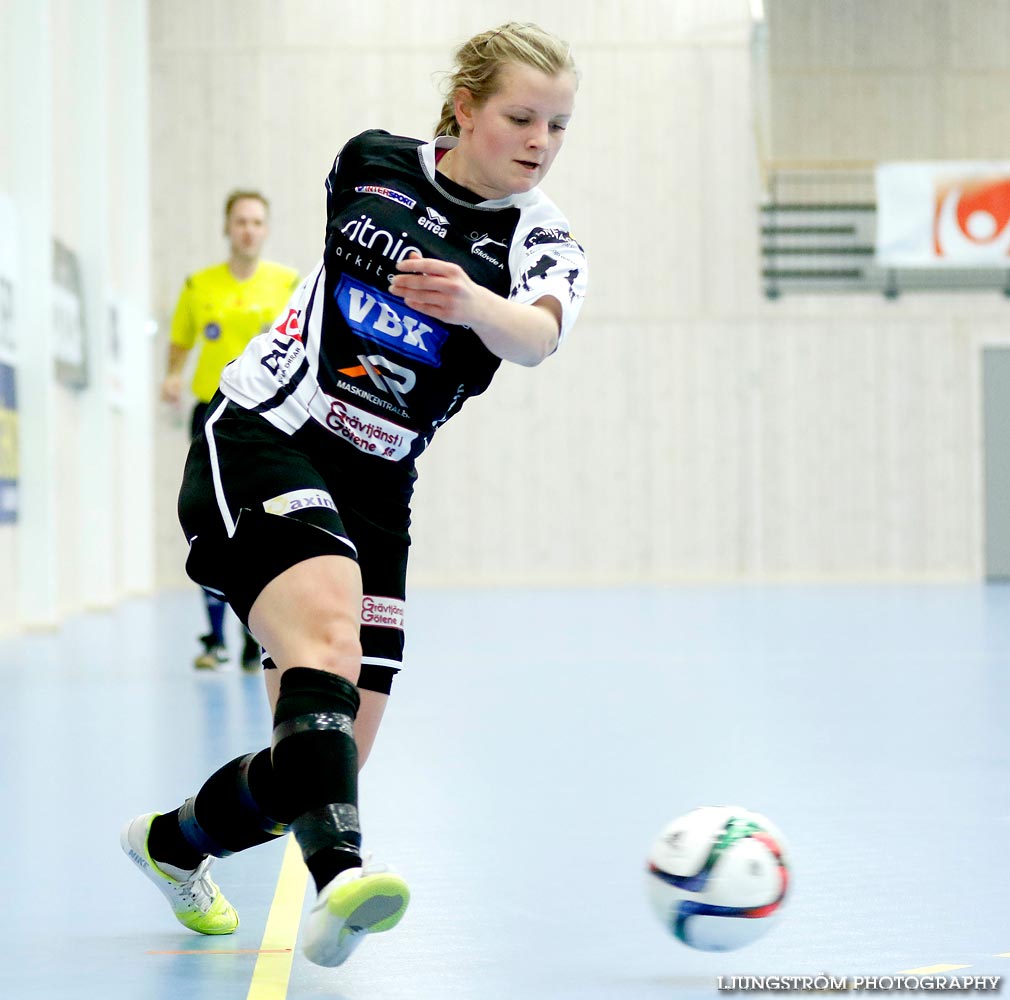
[434, 223]
[212, 331]
[290, 325]
[385, 376]
[388, 321]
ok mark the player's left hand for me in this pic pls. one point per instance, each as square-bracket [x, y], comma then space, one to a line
[438, 288]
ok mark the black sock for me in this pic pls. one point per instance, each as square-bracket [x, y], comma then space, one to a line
[315, 760]
[167, 845]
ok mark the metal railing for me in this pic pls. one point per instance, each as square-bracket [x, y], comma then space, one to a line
[818, 233]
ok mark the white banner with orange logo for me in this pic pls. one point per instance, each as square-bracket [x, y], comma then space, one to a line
[943, 214]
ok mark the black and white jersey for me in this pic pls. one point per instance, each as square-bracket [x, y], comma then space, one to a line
[352, 357]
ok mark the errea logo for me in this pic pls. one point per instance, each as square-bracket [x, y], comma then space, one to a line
[434, 222]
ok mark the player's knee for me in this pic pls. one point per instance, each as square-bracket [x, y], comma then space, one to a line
[338, 643]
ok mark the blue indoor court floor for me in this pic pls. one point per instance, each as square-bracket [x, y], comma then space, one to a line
[534, 745]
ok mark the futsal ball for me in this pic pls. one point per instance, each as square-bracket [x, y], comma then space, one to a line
[717, 877]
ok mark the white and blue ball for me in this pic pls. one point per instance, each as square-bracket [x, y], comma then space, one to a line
[718, 876]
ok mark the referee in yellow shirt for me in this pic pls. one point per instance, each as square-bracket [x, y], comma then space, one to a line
[222, 308]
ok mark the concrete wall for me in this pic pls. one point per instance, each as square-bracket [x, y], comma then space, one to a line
[689, 429]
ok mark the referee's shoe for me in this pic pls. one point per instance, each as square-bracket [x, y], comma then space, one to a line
[251, 655]
[213, 655]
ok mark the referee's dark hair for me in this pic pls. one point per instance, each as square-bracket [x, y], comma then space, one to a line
[238, 196]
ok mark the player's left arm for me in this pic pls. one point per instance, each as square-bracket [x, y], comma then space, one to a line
[517, 332]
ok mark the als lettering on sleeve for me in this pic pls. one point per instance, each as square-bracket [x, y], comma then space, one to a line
[388, 321]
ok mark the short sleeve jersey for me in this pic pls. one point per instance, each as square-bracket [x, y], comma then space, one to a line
[224, 314]
[351, 356]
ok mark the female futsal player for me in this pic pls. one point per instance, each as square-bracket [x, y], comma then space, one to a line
[442, 259]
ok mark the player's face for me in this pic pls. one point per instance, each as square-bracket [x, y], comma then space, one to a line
[247, 227]
[508, 144]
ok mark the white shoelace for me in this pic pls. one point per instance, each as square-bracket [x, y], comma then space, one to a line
[197, 887]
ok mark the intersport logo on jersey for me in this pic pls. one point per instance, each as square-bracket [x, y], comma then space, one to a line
[386, 320]
[388, 193]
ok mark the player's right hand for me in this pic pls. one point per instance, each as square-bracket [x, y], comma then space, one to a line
[171, 389]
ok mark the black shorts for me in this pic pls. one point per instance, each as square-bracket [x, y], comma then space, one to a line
[197, 418]
[256, 501]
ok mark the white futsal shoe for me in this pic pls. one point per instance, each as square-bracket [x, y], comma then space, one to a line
[195, 899]
[359, 901]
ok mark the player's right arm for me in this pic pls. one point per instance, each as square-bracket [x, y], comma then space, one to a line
[181, 340]
[171, 386]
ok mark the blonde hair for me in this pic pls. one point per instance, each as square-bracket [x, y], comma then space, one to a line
[479, 62]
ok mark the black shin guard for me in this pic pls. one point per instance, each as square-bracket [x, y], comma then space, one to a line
[239, 806]
[315, 760]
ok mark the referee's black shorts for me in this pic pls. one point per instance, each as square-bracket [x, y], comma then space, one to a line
[256, 501]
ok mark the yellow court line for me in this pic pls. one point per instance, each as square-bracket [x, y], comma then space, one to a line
[1003, 954]
[927, 969]
[217, 951]
[273, 967]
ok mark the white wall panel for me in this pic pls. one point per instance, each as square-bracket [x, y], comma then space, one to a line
[871, 411]
[855, 117]
[68, 84]
[130, 273]
[974, 34]
[728, 236]
[828, 36]
[8, 532]
[909, 79]
[30, 107]
[974, 117]
[69, 502]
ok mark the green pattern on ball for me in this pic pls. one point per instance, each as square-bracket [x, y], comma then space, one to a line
[737, 828]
